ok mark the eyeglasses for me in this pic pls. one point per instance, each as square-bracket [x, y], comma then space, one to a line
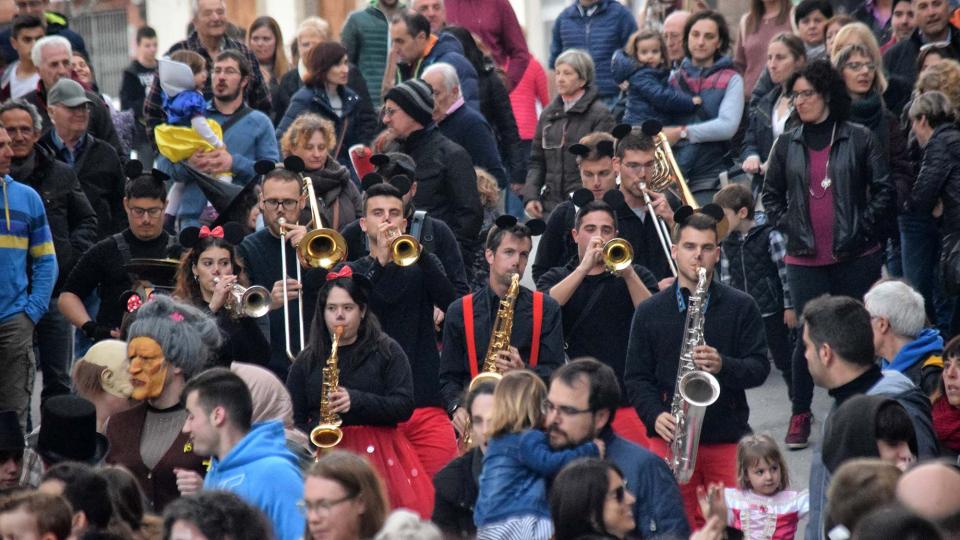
[273, 204]
[306, 507]
[547, 407]
[387, 112]
[140, 212]
[619, 492]
[857, 66]
[640, 167]
[803, 94]
[226, 71]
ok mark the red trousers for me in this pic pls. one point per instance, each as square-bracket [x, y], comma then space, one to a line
[715, 463]
[627, 424]
[431, 433]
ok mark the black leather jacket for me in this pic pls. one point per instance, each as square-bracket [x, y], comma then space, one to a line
[863, 191]
[939, 177]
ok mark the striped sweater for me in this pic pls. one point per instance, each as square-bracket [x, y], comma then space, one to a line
[28, 264]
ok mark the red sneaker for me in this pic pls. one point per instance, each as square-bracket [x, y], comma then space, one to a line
[799, 432]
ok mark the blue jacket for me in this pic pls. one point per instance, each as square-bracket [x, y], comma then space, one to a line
[516, 467]
[929, 341]
[468, 128]
[600, 34]
[263, 472]
[28, 263]
[659, 507]
[650, 95]
[360, 125]
[449, 51]
[249, 140]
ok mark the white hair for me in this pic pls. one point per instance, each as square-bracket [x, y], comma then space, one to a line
[447, 74]
[405, 525]
[195, 6]
[36, 54]
[317, 24]
[898, 303]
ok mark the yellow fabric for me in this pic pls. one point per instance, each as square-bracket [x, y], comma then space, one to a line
[14, 242]
[40, 250]
[178, 143]
[935, 360]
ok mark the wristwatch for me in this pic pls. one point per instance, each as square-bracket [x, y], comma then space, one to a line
[683, 133]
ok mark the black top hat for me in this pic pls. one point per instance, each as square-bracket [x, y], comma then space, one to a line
[11, 436]
[223, 196]
[161, 273]
[68, 431]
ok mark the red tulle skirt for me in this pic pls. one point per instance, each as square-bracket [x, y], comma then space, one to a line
[392, 455]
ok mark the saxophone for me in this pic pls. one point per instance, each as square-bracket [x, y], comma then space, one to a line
[695, 389]
[500, 337]
[327, 434]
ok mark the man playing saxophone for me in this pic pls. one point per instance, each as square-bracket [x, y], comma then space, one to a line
[536, 335]
[734, 352]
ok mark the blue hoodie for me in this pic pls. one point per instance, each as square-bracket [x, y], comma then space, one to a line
[927, 342]
[264, 473]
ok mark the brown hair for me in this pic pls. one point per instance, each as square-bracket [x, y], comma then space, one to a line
[642, 35]
[487, 187]
[517, 400]
[53, 513]
[187, 286]
[753, 448]
[735, 196]
[196, 62]
[321, 58]
[943, 77]
[280, 63]
[357, 477]
[590, 140]
[859, 486]
[303, 128]
[755, 15]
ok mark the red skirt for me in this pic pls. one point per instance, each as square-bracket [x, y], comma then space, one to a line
[391, 454]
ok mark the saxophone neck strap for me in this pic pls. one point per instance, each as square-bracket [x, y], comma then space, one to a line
[469, 334]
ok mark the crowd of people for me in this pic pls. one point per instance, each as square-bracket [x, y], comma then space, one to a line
[278, 296]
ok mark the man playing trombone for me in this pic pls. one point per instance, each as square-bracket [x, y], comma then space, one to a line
[598, 291]
[408, 283]
[281, 197]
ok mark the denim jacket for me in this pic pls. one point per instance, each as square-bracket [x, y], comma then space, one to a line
[513, 482]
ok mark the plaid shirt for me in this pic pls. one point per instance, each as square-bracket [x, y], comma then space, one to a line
[778, 250]
[257, 94]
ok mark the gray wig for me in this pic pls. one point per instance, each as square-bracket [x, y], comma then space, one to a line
[188, 337]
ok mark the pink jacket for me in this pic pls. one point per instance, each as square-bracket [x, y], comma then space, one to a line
[531, 89]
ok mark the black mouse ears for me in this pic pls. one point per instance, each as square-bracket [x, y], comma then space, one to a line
[264, 166]
[231, 232]
[603, 149]
[651, 128]
[685, 212]
[581, 197]
[535, 226]
[401, 181]
[612, 197]
[134, 169]
[293, 164]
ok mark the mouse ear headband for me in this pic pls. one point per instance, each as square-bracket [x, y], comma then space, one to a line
[534, 226]
[714, 211]
[231, 232]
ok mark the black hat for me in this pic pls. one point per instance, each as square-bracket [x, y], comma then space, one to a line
[68, 431]
[223, 196]
[415, 97]
[11, 436]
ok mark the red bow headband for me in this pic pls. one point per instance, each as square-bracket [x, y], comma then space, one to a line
[344, 272]
[216, 232]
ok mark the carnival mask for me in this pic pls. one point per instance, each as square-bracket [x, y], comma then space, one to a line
[148, 368]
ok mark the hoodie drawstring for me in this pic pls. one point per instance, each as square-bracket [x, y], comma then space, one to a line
[6, 203]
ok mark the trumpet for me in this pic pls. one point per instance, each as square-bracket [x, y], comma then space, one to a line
[328, 434]
[617, 254]
[404, 248]
[251, 301]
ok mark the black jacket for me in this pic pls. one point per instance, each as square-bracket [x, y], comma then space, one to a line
[101, 176]
[446, 183]
[73, 223]
[939, 177]
[291, 82]
[496, 108]
[456, 487]
[758, 138]
[356, 126]
[732, 325]
[900, 61]
[863, 192]
[101, 125]
[380, 386]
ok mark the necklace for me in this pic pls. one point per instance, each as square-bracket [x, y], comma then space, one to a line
[826, 182]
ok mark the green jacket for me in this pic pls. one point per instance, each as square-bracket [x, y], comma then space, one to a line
[366, 35]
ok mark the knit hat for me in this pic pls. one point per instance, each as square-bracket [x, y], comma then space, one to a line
[415, 97]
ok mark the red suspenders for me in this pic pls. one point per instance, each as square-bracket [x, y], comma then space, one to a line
[472, 345]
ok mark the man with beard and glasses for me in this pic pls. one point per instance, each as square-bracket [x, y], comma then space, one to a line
[73, 225]
[248, 135]
[582, 402]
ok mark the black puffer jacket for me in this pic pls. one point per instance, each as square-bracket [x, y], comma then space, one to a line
[863, 193]
[495, 107]
[456, 487]
[73, 223]
[939, 177]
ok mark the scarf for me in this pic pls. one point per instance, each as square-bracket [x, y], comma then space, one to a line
[329, 183]
[946, 424]
[868, 111]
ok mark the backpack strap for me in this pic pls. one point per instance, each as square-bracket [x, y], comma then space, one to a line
[235, 117]
[469, 335]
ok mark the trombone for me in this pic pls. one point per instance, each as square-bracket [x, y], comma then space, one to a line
[251, 301]
[319, 248]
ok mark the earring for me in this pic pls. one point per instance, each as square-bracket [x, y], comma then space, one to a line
[196, 278]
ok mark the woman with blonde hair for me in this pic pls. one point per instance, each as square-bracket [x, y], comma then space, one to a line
[344, 498]
[312, 139]
[943, 76]
[895, 92]
[512, 500]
